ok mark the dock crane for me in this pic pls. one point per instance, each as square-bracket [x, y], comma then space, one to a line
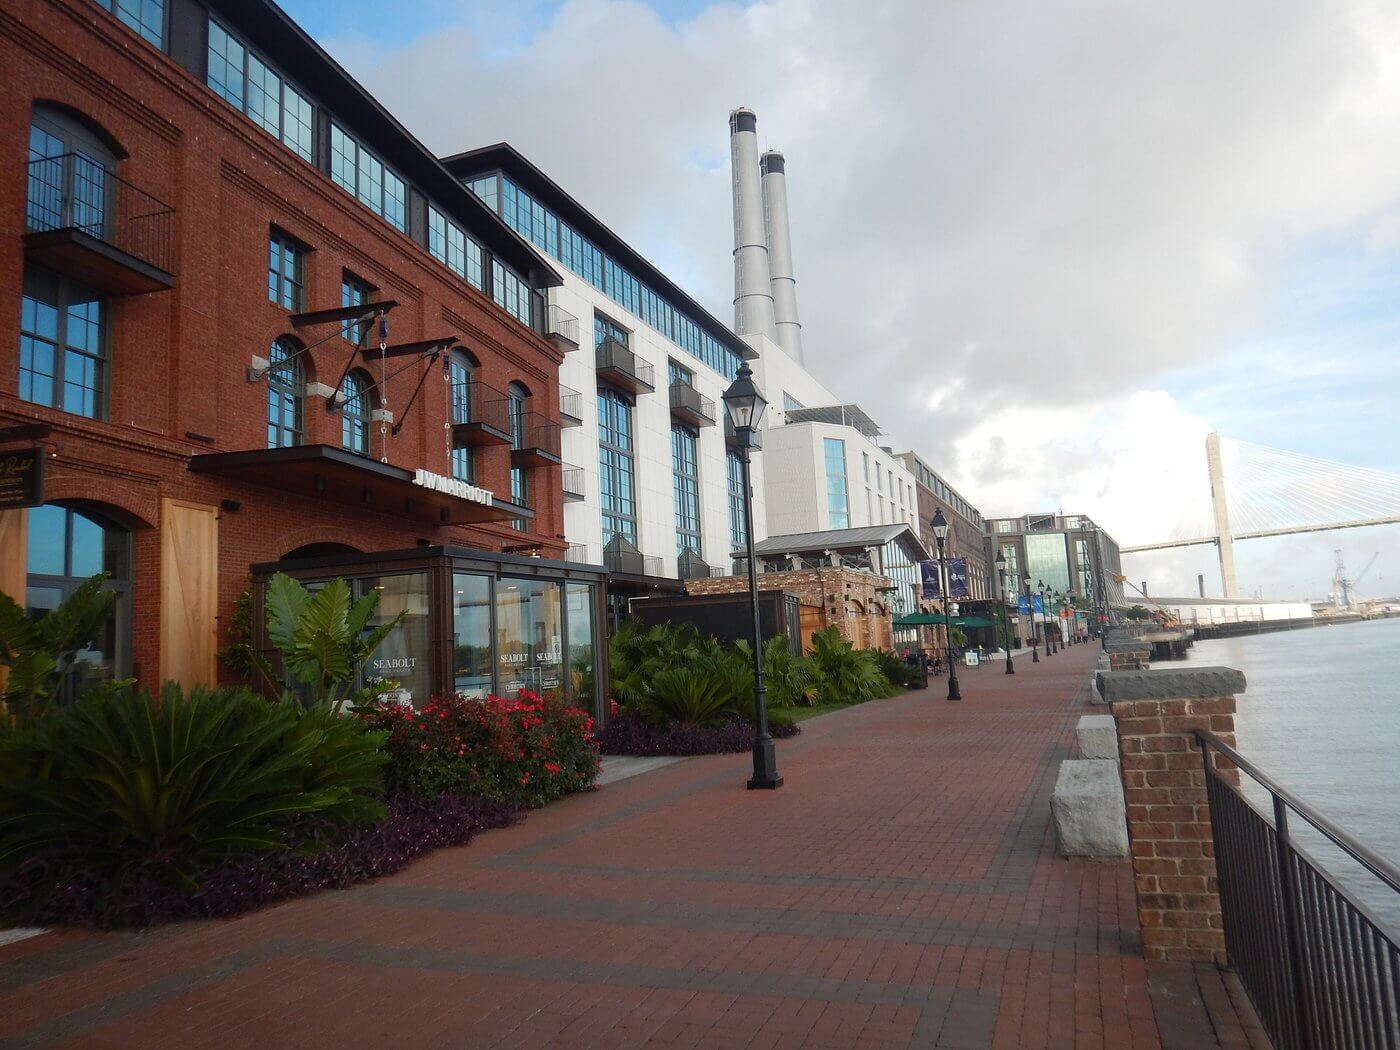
[1344, 587]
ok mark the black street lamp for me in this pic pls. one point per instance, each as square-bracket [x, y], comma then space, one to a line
[1071, 598]
[1044, 593]
[940, 533]
[1006, 637]
[1035, 632]
[745, 406]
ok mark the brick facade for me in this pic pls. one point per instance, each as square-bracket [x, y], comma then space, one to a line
[849, 599]
[1169, 825]
[178, 358]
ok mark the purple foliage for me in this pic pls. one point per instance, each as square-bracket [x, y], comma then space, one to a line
[627, 733]
[58, 890]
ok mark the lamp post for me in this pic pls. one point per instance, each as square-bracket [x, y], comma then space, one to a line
[1001, 578]
[940, 533]
[745, 406]
[1044, 593]
[1072, 599]
[1030, 612]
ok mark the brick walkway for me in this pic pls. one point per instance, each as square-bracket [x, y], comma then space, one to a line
[900, 890]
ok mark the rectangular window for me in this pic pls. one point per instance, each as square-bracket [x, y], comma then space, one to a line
[529, 636]
[353, 292]
[285, 267]
[519, 494]
[605, 328]
[1047, 560]
[734, 472]
[360, 173]
[679, 374]
[687, 488]
[837, 504]
[453, 248]
[62, 345]
[510, 293]
[248, 84]
[471, 633]
[144, 17]
[615, 477]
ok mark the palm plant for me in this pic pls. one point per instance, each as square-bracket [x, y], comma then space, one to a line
[791, 680]
[43, 656]
[324, 640]
[124, 779]
[688, 695]
[849, 675]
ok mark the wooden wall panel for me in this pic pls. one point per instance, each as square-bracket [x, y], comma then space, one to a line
[189, 592]
[14, 552]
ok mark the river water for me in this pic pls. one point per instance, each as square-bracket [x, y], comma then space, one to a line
[1321, 715]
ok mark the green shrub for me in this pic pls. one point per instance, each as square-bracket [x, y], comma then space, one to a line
[637, 653]
[42, 655]
[125, 779]
[900, 674]
[791, 680]
[691, 695]
[848, 675]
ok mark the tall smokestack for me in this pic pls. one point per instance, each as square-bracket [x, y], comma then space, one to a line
[775, 223]
[753, 291]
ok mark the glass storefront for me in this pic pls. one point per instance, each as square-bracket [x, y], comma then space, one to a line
[473, 623]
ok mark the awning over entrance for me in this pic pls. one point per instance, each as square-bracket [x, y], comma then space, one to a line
[936, 620]
[328, 473]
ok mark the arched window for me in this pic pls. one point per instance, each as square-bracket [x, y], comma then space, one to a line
[68, 167]
[286, 390]
[66, 548]
[461, 369]
[355, 413]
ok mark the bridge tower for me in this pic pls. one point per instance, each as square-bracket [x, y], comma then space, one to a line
[1224, 539]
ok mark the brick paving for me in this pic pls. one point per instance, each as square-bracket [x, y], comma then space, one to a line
[900, 890]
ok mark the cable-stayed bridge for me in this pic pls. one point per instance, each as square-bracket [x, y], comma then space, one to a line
[1257, 491]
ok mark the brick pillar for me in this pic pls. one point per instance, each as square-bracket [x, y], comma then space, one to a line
[1156, 714]
[1129, 655]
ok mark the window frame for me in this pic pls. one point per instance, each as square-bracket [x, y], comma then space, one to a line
[61, 347]
[358, 167]
[617, 464]
[293, 391]
[243, 104]
[281, 238]
[685, 484]
[361, 419]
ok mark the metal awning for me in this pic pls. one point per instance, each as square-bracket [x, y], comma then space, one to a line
[325, 472]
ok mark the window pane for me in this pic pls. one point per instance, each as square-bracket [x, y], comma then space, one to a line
[225, 65]
[579, 610]
[88, 547]
[147, 17]
[471, 634]
[530, 637]
[48, 538]
[264, 96]
[298, 124]
[343, 159]
[404, 656]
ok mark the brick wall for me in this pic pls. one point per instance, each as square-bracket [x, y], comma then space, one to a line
[1164, 785]
[178, 358]
[850, 600]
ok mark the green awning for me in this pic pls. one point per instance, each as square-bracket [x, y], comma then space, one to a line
[937, 620]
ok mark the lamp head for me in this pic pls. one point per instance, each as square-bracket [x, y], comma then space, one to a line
[743, 401]
[940, 525]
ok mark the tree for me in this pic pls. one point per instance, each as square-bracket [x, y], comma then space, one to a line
[1138, 612]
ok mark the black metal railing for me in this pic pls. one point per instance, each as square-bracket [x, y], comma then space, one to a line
[612, 357]
[570, 406]
[477, 402]
[561, 323]
[573, 482]
[689, 402]
[1320, 966]
[534, 431]
[74, 192]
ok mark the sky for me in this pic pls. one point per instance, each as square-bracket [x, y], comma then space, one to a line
[1049, 245]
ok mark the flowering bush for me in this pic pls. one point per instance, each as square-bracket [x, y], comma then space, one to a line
[529, 750]
[628, 733]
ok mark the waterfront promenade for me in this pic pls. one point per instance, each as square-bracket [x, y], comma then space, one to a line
[900, 890]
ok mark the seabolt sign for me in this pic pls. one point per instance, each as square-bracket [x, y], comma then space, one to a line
[21, 478]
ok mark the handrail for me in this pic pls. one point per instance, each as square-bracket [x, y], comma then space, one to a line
[1367, 858]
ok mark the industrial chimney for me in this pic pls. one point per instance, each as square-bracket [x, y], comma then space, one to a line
[775, 223]
[753, 291]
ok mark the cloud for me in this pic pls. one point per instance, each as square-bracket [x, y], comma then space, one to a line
[1020, 217]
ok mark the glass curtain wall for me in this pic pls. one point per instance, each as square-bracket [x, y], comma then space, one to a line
[837, 504]
[1047, 560]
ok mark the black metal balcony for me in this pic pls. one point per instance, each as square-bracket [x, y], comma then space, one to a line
[573, 479]
[480, 416]
[570, 407]
[690, 406]
[561, 328]
[534, 440]
[690, 566]
[84, 221]
[621, 556]
[623, 369]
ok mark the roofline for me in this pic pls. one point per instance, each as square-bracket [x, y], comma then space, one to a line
[900, 527]
[256, 20]
[505, 157]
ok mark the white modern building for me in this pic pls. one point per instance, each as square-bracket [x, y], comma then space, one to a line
[652, 482]
[823, 466]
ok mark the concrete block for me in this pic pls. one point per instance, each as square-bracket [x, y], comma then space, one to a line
[1091, 819]
[1184, 684]
[1097, 737]
[1095, 697]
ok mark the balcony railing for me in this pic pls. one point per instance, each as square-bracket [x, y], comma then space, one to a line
[573, 483]
[581, 553]
[534, 439]
[1302, 903]
[561, 326]
[622, 556]
[690, 405]
[690, 566]
[480, 415]
[619, 366]
[570, 407]
[91, 224]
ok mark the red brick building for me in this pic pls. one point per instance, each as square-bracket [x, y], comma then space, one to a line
[200, 207]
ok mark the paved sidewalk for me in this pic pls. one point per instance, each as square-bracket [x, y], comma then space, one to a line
[900, 890]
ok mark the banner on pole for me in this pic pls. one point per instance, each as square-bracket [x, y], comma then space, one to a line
[957, 578]
[928, 573]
